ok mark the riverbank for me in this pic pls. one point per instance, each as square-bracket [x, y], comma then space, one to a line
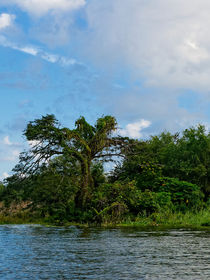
[169, 220]
[177, 220]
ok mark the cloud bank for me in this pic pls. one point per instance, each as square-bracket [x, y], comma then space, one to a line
[162, 46]
[167, 43]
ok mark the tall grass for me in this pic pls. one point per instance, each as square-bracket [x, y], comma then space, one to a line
[169, 219]
[162, 219]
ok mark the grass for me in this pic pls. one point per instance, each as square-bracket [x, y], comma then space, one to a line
[19, 219]
[157, 220]
[169, 219]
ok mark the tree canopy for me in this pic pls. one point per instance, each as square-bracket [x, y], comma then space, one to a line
[84, 144]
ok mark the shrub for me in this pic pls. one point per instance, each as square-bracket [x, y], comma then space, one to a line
[147, 203]
[128, 197]
[121, 192]
[184, 195]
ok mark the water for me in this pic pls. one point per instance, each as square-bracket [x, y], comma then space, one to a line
[36, 252]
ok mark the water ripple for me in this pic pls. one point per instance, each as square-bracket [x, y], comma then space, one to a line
[37, 252]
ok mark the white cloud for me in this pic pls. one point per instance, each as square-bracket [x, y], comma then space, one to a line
[50, 57]
[41, 7]
[6, 141]
[26, 49]
[6, 20]
[35, 51]
[29, 50]
[133, 130]
[165, 42]
[5, 175]
[9, 144]
[62, 60]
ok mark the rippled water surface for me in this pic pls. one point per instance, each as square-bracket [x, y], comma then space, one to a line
[36, 252]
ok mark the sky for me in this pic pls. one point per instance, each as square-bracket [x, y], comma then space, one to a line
[145, 62]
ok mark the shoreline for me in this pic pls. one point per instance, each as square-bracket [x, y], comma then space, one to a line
[199, 220]
[114, 226]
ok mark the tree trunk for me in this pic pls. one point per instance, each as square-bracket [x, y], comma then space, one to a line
[86, 185]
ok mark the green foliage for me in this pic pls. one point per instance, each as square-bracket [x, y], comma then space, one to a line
[148, 172]
[63, 179]
[184, 156]
[2, 189]
[121, 192]
[127, 194]
[164, 201]
[184, 195]
[148, 203]
[151, 202]
[16, 190]
[85, 143]
[55, 189]
[97, 172]
[54, 196]
[195, 157]
[113, 201]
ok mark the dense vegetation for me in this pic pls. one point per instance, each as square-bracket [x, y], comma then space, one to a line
[61, 178]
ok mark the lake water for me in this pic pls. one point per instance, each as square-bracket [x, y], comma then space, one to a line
[37, 252]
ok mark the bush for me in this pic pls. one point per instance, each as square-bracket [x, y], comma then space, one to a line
[164, 200]
[128, 197]
[115, 199]
[148, 203]
[184, 195]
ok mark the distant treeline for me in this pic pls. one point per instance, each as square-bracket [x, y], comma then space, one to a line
[61, 177]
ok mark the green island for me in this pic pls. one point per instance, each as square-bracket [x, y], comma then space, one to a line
[90, 175]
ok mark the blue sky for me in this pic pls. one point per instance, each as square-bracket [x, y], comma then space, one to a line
[145, 62]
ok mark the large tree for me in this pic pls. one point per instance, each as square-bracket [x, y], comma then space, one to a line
[85, 143]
